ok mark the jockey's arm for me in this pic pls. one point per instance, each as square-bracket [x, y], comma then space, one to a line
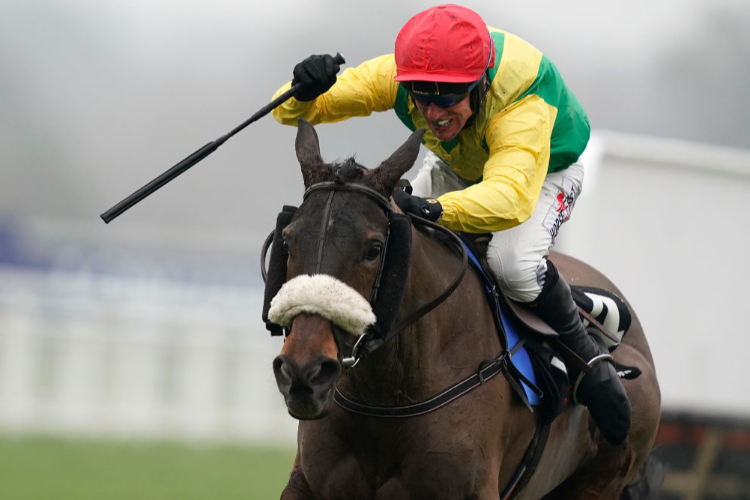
[519, 141]
[357, 92]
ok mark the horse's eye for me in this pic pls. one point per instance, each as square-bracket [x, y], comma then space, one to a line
[374, 251]
[285, 244]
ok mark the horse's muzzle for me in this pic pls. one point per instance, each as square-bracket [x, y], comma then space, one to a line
[306, 388]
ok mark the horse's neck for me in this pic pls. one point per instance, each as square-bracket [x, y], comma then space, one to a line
[439, 348]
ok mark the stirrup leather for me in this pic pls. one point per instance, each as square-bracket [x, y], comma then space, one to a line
[594, 360]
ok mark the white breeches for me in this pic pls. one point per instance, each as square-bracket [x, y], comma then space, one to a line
[517, 256]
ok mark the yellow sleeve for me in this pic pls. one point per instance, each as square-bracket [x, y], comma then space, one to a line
[519, 141]
[357, 92]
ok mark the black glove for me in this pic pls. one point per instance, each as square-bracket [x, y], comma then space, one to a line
[429, 209]
[317, 74]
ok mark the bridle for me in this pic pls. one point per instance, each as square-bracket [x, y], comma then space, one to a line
[350, 355]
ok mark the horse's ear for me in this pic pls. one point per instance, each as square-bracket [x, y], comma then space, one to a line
[308, 154]
[385, 177]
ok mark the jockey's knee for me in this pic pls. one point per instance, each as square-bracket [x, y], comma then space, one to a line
[519, 276]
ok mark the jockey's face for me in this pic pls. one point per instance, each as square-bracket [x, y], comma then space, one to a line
[446, 123]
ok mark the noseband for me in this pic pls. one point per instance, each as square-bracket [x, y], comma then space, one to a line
[370, 341]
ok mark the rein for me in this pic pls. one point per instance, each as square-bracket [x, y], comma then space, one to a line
[429, 306]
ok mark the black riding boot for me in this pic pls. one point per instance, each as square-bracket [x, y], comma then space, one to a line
[600, 389]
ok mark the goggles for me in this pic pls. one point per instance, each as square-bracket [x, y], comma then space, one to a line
[442, 100]
[448, 99]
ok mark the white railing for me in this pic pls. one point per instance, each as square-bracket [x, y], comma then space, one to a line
[106, 356]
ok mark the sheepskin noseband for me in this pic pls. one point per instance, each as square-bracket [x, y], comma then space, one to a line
[324, 295]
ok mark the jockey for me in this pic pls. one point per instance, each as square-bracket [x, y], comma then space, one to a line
[504, 135]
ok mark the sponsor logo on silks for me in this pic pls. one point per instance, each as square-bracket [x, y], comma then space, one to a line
[560, 210]
[561, 205]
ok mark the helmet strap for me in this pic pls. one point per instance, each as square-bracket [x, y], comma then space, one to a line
[477, 97]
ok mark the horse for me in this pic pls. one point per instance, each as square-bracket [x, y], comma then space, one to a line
[468, 449]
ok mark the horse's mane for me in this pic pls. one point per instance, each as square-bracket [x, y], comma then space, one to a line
[349, 171]
[436, 236]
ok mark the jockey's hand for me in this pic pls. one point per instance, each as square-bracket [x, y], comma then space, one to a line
[317, 74]
[429, 209]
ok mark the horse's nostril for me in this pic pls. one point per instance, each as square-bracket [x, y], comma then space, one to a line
[282, 371]
[325, 373]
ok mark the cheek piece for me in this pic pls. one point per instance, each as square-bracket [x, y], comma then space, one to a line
[276, 275]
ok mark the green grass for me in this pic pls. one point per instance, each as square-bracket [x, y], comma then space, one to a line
[40, 468]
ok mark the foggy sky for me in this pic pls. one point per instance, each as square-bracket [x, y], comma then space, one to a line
[97, 98]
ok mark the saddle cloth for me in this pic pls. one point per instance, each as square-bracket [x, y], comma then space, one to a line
[604, 315]
[509, 328]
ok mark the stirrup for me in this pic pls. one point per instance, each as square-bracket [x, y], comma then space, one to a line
[594, 360]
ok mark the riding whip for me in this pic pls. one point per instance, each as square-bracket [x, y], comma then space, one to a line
[200, 154]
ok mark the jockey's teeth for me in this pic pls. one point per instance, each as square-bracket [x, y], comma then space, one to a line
[442, 123]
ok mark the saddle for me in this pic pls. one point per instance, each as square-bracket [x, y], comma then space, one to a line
[603, 313]
[535, 348]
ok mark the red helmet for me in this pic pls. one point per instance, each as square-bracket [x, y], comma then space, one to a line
[447, 43]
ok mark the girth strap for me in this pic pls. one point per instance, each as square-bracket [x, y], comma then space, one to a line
[528, 465]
